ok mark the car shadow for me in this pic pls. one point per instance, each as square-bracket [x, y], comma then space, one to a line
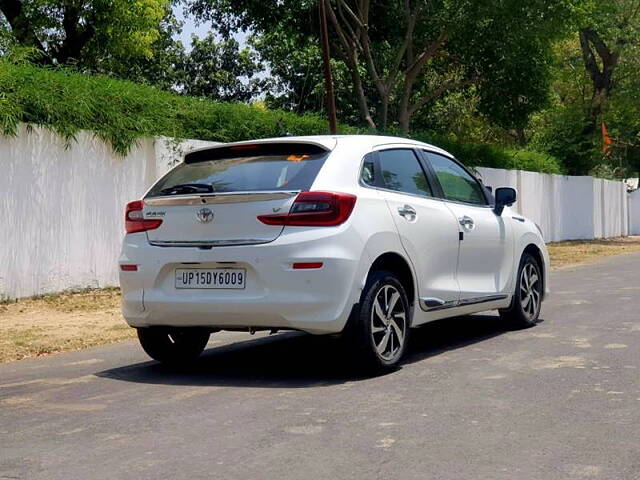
[298, 360]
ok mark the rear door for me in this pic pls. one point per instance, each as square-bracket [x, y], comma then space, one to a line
[216, 195]
[427, 228]
[486, 255]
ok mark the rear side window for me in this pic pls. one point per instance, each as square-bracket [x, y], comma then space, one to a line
[401, 171]
[244, 168]
[368, 174]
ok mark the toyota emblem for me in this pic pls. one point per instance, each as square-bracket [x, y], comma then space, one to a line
[204, 215]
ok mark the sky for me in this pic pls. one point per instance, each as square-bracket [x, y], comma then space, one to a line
[201, 30]
[189, 27]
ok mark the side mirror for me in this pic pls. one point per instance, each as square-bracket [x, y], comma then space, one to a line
[505, 197]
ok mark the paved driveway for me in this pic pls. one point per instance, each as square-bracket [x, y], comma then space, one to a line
[473, 401]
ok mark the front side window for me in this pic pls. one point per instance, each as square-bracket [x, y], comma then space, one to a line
[457, 185]
[401, 171]
[263, 168]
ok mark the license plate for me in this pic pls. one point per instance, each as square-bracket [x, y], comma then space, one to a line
[223, 278]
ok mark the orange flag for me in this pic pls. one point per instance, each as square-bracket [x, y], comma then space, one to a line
[607, 141]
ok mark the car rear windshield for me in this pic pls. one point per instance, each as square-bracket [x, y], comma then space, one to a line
[244, 168]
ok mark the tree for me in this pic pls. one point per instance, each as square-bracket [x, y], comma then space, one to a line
[212, 68]
[160, 68]
[84, 33]
[6, 39]
[220, 70]
[612, 29]
[296, 80]
[595, 81]
[404, 55]
[129, 39]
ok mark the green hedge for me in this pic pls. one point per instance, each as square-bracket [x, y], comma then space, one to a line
[482, 155]
[119, 112]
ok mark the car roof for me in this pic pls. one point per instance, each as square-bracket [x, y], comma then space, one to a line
[330, 142]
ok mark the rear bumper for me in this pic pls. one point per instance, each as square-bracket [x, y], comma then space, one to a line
[276, 296]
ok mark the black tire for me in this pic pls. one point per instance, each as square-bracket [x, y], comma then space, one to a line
[527, 298]
[367, 329]
[173, 346]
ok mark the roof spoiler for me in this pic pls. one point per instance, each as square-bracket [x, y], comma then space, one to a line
[258, 149]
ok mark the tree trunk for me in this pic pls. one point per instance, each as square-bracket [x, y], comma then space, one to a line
[359, 90]
[405, 121]
[601, 77]
[384, 112]
[77, 34]
[404, 112]
[404, 118]
[348, 41]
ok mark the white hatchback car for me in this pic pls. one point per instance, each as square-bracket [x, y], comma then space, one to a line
[362, 235]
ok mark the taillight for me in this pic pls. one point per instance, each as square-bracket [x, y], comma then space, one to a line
[315, 209]
[134, 221]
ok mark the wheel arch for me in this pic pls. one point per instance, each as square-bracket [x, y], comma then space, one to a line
[395, 263]
[533, 250]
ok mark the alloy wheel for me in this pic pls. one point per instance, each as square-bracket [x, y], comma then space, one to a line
[530, 291]
[388, 323]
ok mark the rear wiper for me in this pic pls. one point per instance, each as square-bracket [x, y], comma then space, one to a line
[187, 188]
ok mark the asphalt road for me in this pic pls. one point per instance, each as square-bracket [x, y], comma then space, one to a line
[473, 401]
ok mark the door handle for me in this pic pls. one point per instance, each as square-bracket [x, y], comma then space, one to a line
[467, 223]
[407, 212]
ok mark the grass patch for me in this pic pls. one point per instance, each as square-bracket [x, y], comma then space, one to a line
[565, 254]
[89, 300]
[61, 322]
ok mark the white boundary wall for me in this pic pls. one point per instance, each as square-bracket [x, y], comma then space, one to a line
[61, 207]
[634, 213]
[567, 208]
